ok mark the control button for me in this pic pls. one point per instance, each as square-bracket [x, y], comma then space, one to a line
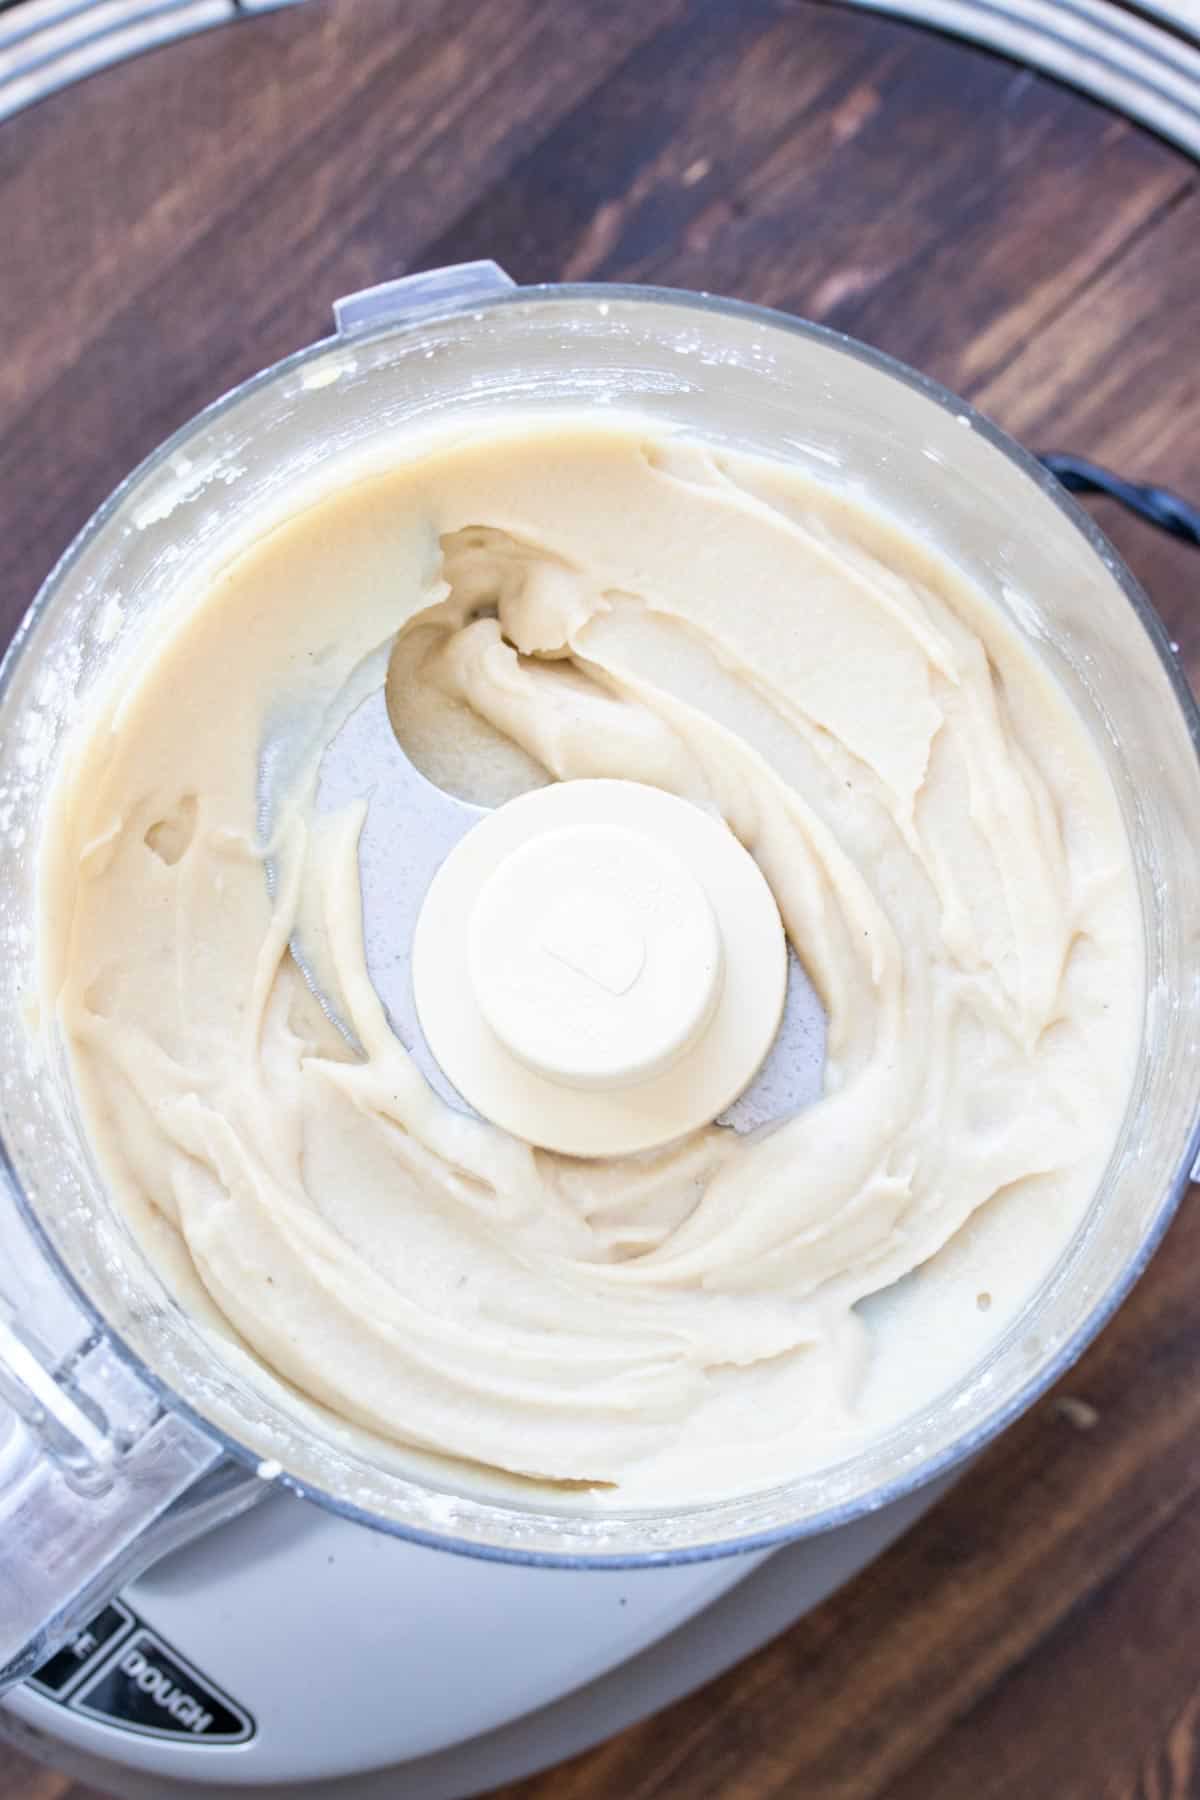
[84, 1651]
[151, 1690]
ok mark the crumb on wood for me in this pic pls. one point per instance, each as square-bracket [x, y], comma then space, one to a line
[1079, 1413]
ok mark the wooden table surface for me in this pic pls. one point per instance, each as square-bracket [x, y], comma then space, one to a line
[178, 222]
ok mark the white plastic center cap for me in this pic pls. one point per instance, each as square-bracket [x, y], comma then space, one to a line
[595, 956]
[625, 967]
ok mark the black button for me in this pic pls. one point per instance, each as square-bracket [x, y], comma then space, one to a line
[150, 1690]
[84, 1650]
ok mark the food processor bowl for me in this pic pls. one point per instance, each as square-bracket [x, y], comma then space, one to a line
[126, 1431]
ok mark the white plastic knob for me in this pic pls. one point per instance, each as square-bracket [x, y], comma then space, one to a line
[599, 967]
[595, 956]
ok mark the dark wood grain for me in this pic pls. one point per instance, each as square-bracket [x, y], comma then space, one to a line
[172, 225]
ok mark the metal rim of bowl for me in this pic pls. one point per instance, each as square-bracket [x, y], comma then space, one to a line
[1143, 61]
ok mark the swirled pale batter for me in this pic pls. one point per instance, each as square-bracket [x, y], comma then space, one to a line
[945, 848]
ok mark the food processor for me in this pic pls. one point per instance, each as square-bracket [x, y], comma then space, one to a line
[197, 1586]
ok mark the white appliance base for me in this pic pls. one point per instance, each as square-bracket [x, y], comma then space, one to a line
[479, 1674]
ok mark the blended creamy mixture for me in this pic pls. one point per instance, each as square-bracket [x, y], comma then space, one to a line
[571, 599]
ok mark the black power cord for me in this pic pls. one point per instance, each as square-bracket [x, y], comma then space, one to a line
[1157, 505]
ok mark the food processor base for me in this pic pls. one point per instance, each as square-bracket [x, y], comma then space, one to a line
[292, 1647]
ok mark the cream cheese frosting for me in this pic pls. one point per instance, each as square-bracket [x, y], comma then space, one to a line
[559, 599]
